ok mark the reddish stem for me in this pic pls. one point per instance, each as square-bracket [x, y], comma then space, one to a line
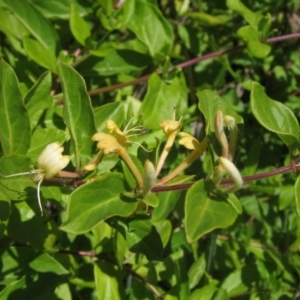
[189, 63]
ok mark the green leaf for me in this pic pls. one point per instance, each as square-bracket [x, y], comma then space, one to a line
[210, 102]
[15, 130]
[20, 261]
[205, 293]
[274, 116]
[96, 201]
[112, 19]
[38, 98]
[206, 19]
[142, 237]
[156, 100]
[57, 9]
[111, 111]
[146, 22]
[39, 53]
[205, 212]
[79, 27]
[40, 286]
[108, 281]
[167, 202]
[254, 45]
[297, 196]
[78, 113]
[196, 271]
[116, 62]
[12, 28]
[252, 18]
[35, 22]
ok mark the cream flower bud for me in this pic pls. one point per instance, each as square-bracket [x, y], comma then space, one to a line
[149, 177]
[50, 161]
[234, 174]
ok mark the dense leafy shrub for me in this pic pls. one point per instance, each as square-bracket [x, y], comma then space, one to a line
[177, 174]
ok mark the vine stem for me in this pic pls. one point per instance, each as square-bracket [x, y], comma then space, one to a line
[293, 167]
[183, 186]
[190, 63]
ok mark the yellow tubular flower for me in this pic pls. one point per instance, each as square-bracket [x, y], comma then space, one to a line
[191, 143]
[109, 144]
[171, 128]
[118, 133]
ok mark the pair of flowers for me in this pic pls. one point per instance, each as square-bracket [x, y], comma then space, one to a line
[51, 161]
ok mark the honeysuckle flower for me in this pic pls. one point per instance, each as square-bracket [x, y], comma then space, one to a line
[50, 162]
[109, 144]
[190, 143]
[233, 173]
[120, 136]
[171, 128]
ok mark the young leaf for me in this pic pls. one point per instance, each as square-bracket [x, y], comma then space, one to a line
[274, 116]
[15, 130]
[38, 98]
[79, 27]
[251, 17]
[39, 53]
[146, 23]
[78, 113]
[205, 212]
[94, 202]
[254, 45]
[35, 22]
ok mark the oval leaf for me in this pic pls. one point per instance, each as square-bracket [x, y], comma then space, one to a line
[35, 22]
[146, 23]
[15, 130]
[79, 27]
[94, 202]
[274, 116]
[205, 212]
[38, 98]
[78, 113]
[40, 54]
[156, 100]
[210, 102]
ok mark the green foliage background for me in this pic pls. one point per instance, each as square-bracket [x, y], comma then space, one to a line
[64, 71]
